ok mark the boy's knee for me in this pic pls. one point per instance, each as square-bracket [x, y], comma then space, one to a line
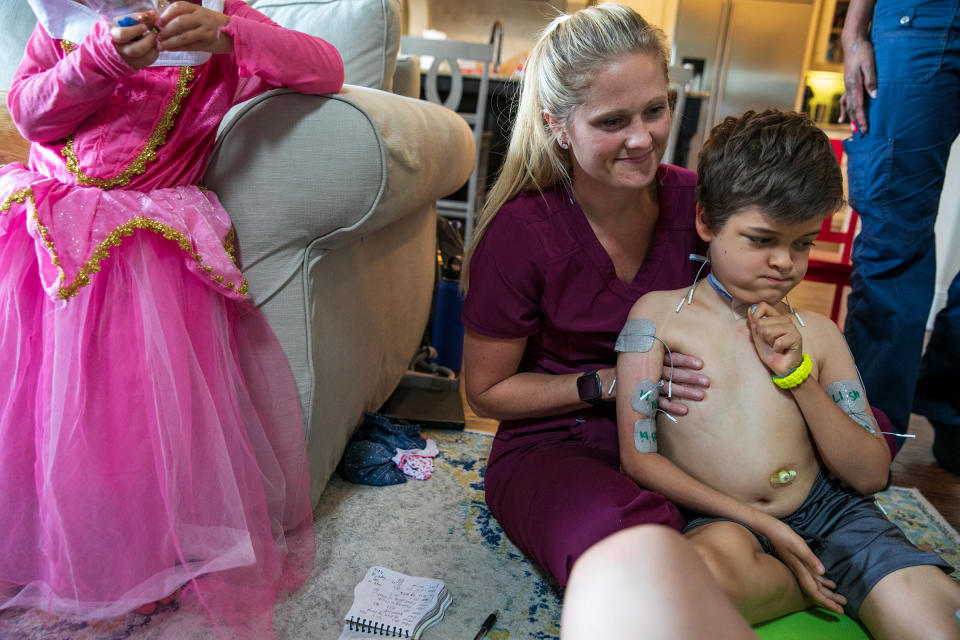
[931, 597]
[634, 560]
[729, 551]
[647, 543]
[719, 563]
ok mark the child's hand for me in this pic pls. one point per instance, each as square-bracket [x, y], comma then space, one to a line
[793, 551]
[137, 44]
[777, 340]
[191, 27]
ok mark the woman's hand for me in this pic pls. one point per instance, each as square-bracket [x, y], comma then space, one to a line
[687, 384]
[777, 340]
[793, 551]
[859, 78]
[137, 44]
[191, 27]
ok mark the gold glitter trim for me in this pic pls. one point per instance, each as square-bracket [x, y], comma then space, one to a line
[230, 244]
[22, 196]
[19, 197]
[114, 239]
[67, 46]
[149, 153]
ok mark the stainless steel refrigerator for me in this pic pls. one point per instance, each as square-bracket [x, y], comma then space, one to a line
[746, 54]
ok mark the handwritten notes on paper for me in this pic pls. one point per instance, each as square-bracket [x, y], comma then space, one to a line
[389, 603]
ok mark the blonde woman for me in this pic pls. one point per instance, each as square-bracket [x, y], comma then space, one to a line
[581, 222]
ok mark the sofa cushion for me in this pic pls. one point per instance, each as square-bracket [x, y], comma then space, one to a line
[365, 32]
[18, 22]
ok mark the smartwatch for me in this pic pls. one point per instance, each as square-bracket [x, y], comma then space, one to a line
[589, 387]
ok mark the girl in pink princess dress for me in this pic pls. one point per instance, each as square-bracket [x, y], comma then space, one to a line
[150, 434]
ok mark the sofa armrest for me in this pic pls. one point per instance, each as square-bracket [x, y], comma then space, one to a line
[297, 170]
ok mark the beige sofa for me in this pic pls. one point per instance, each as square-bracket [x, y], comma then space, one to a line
[333, 199]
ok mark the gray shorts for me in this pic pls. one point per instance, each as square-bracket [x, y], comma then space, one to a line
[848, 532]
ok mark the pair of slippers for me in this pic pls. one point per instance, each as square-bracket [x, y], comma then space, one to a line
[368, 456]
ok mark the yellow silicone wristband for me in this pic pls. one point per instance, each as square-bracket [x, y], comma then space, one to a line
[795, 377]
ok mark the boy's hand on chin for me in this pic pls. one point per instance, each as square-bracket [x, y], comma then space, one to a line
[777, 340]
[191, 27]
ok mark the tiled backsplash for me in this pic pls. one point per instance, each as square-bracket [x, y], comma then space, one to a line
[472, 21]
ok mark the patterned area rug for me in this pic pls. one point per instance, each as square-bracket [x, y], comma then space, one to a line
[439, 528]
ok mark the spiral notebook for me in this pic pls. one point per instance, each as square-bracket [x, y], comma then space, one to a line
[388, 603]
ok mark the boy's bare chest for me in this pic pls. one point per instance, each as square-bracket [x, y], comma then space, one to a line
[741, 395]
[744, 423]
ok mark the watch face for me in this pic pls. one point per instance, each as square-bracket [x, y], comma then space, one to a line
[588, 386]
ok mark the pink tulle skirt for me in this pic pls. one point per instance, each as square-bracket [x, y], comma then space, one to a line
[150, 440]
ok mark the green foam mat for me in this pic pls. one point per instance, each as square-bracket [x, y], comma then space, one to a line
[812, 624]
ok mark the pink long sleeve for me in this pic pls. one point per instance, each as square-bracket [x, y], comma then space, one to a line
[153, 128]
[51, 95]
[270, 56]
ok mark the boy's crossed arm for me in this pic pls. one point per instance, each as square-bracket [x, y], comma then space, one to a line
[840, 421]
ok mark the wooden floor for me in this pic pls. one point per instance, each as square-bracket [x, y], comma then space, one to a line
[914, 465]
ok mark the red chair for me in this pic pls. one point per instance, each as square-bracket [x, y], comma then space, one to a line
[833, 265]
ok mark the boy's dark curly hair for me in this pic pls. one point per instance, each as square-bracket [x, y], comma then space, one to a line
[777, 161]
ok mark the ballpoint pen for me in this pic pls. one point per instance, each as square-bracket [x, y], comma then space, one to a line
[487, 625]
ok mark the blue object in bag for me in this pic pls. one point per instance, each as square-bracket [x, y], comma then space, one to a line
[447, 335]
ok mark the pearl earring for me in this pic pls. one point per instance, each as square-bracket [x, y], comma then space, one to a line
[563, 144]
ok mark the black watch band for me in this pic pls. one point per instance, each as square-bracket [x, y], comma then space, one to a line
[589, 387]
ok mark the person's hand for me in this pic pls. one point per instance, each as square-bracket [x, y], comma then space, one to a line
[687, 383]
[793, 551]
[859, 78]
[777, 340]
[191, 27]
[137, 44]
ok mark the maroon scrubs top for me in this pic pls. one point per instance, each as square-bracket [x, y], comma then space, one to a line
[540, 273]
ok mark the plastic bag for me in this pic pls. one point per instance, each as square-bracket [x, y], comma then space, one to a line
[138, 10]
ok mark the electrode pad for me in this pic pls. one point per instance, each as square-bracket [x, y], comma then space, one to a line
[849, 396]
[645, 435]
[636, 337]
[644, 401]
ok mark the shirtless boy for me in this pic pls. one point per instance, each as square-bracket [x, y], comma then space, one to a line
[778, 468]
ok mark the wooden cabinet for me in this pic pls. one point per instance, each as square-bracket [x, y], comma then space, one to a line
[827, 49]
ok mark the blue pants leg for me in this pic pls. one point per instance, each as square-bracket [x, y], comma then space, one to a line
[937, 397]
[896, 174]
